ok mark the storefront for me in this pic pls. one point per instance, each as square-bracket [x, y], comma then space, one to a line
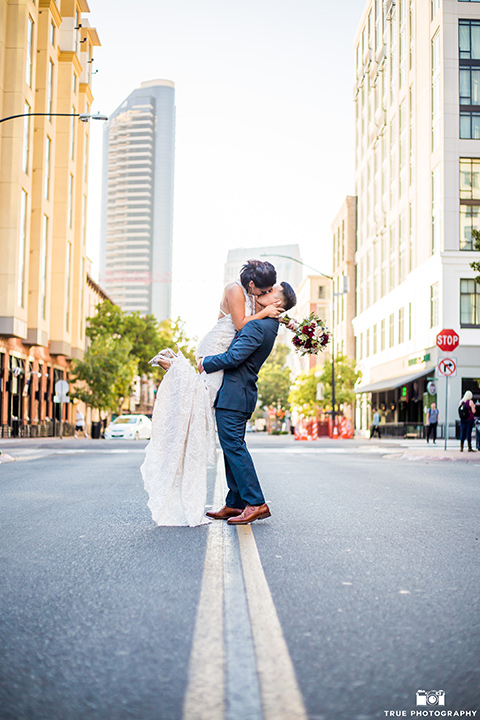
[401, 402]
[27, 390]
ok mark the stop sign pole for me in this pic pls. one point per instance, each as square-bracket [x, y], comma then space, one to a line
[447, 340]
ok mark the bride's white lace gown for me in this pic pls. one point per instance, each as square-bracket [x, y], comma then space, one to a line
[183, 433]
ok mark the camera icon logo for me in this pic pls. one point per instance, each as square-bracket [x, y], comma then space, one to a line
[430, 698]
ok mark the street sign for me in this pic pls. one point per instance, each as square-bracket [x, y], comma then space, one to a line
[447, 340]
[61, 387]
[61, 399]
[447, 366]
[431, 388]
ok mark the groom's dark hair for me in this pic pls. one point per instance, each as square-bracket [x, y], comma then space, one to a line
[262, 274]
[289, 297]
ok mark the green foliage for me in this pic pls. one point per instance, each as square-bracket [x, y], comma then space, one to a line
[274, 379]
[476, 265]
[121, 346]
[304, 392]
[106, 373]
[346, 375]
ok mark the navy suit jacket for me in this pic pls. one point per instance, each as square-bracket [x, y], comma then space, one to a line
[241, 362]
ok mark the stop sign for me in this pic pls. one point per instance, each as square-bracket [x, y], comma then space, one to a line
[447, 340]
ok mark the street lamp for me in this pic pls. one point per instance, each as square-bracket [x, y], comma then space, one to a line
[84, 117]
[334, 295]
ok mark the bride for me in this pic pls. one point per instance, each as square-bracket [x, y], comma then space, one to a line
[183, 427]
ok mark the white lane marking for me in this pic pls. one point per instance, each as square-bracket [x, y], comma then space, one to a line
[281, 696]
[205, 695]
[324, 451]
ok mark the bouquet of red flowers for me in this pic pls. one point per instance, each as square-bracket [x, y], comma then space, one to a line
[311, 335]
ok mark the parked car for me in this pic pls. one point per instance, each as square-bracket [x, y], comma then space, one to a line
[133, 427]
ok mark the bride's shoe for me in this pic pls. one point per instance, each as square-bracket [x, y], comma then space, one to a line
[163, 359]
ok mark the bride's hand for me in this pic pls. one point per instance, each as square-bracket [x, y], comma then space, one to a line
[200, 366]
[292, 325]
[273, 310]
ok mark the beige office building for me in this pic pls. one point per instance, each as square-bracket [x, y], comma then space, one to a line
[344, 233]
[417, 109]
[45, 67]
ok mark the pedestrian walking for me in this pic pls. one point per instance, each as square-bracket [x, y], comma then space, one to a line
[376, 424]
[80, 424]
[432, 422]
[466, 412]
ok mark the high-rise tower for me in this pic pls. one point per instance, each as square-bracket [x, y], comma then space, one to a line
[137, 206]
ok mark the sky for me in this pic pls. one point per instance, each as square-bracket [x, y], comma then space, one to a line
[264, 133]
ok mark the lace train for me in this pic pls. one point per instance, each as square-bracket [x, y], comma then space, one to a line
[175, 467]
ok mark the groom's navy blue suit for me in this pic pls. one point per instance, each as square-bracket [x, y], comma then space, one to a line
[235, 402]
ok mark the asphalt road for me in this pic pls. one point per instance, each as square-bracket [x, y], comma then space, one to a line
[372, 564]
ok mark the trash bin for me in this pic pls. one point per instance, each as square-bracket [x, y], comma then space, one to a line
[96, 430]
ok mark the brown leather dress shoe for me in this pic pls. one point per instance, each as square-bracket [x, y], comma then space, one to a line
[224, 513]
[251, 513]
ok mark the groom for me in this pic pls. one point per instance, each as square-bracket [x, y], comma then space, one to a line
[234, 404]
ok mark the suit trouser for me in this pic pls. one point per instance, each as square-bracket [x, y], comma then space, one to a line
[242, 480]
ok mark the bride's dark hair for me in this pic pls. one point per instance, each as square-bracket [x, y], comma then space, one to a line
[262, 274]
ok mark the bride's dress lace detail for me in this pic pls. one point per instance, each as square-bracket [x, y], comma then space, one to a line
[183, 432]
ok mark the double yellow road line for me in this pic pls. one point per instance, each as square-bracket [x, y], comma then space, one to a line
[240, 667]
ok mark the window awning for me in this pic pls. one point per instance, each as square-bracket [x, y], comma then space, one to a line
[393, 383]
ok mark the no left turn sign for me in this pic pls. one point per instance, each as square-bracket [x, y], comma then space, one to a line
[447, 366]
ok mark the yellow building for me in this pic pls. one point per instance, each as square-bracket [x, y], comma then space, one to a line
[45, 67]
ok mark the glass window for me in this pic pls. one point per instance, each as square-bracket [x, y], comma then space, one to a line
[26, 138]
[50, 87]
[469, 200]
[434, 309]
[436, 209]
[391, 334]
[43, 268]
[29, 59]
[469, 303]
[436, 110]
[67, 284]
[382, 335]
[48, 149]
[72, 135]
[70, 202]
[21, 249]
[435, 7]
[401, 325]
[469, 78]
[52, 33]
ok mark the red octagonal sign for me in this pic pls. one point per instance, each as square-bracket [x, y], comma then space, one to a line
[447, 340]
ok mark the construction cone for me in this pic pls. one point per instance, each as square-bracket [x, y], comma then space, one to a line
[304, 434]
[315, 430]
[335, 433]
[296, 433]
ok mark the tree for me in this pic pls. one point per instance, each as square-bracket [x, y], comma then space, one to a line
[346, 375]
[274, 379]
[304, 391]
[121, 345]
[107, 371]
[145, 334]
[476, 265]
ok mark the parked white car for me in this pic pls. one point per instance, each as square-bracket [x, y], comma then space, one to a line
[130, 427]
